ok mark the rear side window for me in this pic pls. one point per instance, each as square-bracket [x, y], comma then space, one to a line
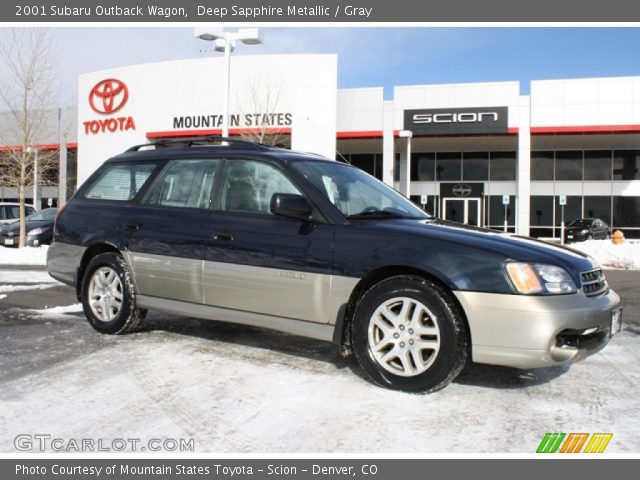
[120, 182]
[10, 212]
[249, 185]
[184, 184]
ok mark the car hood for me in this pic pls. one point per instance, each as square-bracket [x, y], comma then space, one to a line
[510, 246]
[15, 226]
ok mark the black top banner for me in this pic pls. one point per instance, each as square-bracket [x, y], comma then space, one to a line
[317, 11]
[457, 121]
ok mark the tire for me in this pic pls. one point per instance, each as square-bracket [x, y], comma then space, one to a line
[397, 363]
[109, 296]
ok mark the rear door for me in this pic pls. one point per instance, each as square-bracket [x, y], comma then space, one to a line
[259, 262]
[165, 232]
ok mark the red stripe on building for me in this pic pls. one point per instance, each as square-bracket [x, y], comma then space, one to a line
[585, 129]
[359, 134]
[42, 146]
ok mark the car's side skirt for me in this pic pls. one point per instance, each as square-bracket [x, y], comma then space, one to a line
[288, 325]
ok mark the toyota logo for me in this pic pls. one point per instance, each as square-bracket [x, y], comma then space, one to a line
[108, 96]
[461, 190]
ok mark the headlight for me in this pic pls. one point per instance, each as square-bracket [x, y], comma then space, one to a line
[530, 279]
[37, 231]
[584, 231]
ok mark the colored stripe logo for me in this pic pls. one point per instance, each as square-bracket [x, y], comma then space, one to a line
[557, 442]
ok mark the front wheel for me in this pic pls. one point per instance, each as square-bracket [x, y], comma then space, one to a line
[108, 296]
[408, 334]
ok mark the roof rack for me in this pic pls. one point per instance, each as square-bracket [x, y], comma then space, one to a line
[199, 141]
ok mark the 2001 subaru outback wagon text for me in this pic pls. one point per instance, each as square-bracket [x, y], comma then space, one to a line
[240, 232]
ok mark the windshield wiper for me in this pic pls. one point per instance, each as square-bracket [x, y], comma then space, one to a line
[376, 214]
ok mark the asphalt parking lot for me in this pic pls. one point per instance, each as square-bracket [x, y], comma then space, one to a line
[242, 389]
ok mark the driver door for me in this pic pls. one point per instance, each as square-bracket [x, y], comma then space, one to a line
[259, 262]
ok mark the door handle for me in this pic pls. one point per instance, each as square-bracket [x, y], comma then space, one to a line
[131, 226]
[222, 237]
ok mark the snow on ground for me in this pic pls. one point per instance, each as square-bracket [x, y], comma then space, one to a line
[16, 288]
[624, 256]
[53, 312]
[24, 255]
[254, 393]
[26, 276]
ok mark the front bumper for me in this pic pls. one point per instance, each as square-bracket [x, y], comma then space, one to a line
[37, 240]
[8, 241]
[537, 331]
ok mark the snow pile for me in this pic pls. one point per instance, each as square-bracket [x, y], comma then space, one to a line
[54, 312]
[624, 256]
[24, 256]
[25, 276]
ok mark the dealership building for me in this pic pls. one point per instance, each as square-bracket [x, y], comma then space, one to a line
[477, 153]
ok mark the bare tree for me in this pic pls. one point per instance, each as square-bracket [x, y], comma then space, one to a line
[260, 114]
[28, 84]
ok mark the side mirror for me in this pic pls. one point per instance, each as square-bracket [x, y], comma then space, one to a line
[290, 205]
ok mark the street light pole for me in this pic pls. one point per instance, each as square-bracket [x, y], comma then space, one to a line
[227, 87]
[225, 42]
[408, 134]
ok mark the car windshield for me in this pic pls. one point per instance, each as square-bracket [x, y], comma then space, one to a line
[357, 194]
[584, 223]
[42, 215]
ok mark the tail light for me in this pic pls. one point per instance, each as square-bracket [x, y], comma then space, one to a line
[59, 213]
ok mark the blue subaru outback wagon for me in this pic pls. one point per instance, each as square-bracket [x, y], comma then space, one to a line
[239, 232]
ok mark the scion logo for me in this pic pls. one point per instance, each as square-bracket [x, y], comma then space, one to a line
[468, 117]
[108, 96]
[457, 121]
[461, 190]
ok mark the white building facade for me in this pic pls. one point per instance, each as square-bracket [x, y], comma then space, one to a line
[481, 153]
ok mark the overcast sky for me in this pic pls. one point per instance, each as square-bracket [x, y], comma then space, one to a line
[377, 56]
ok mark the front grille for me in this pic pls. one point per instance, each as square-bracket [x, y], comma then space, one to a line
[593, 282]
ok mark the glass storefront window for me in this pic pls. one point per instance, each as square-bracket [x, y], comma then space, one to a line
[568, 165]
[572, 210]
[495, 214]
[598, 207]
[503, 166]
[449, 167]
[423, 167]
[597, 165]
[625, 165]
[541, 213]
[364, 161]
[475, 166]
[626, 211]
[542, 166]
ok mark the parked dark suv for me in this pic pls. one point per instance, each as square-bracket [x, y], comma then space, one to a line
[587, 229]
[240, 232]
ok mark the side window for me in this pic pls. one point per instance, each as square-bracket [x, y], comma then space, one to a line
[13, 211]
[185, 184]
[28, 211]
[249, 185]
[120, 182]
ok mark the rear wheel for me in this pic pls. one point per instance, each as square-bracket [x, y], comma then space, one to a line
[408, 334]
[108, 296]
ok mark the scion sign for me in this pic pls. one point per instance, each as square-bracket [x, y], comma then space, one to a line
[457, 121]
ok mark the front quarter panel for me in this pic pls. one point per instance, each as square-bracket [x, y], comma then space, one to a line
[361, 249]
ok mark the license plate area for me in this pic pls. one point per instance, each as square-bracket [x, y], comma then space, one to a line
[616, 321]
[8, 241]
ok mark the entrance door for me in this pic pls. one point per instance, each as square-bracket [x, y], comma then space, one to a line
[462, 210]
